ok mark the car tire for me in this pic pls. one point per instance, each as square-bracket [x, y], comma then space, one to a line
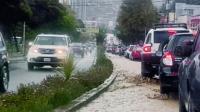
[145, 72]
[164, 89]
[4, 78]
[181, 104]
[30, 66]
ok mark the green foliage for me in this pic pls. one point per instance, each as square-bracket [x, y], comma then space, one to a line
[135, 16]
[13, 11]
[56, 91]
[69, 67]
[80, 23]
[101, 36]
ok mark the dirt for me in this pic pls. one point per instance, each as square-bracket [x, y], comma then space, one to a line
[131, 92]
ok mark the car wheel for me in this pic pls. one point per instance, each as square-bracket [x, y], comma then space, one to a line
[4, 79]
[30, 66]
[163, 89]
[181, 104]
[145, 70]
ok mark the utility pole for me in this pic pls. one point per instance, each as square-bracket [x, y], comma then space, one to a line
[24, 38]
[167, 10]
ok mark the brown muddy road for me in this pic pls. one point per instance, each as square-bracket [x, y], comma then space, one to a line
[131, 93]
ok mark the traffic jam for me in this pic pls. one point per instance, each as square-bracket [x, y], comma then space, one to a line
[171, 54]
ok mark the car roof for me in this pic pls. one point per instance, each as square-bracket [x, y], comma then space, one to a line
[179, 34]
[167, 29]
[54, 35]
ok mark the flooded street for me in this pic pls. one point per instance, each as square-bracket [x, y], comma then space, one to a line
[131, 93]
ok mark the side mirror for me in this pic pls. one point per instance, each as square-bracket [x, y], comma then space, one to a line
[30, 44]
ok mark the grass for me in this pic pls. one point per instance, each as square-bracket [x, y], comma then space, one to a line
[56, 91]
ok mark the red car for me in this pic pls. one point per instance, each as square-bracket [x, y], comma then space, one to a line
[136, 53]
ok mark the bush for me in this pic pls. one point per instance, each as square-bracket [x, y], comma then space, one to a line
[69, 67]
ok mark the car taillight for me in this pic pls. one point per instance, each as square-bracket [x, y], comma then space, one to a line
[147, 48]
[168, 59]
[171, 32]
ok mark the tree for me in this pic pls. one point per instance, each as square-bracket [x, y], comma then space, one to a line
[11, 13]
[49, 16]
[135, 16]
[101, 36]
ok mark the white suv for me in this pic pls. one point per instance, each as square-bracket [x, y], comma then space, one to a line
[48, 49]
[155, 42]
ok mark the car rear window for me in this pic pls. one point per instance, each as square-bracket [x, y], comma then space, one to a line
[178, 41]
[163, 36]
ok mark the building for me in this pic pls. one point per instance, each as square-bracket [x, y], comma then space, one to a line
[183, 9]
[187, 13]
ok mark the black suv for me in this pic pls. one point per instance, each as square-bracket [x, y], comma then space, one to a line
[151, 54]
[170, 61]
[4, 68]
[189, 76]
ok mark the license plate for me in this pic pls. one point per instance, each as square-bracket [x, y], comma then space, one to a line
[47, 59]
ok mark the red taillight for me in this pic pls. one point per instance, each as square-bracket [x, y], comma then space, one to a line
[171, 32]
[168, 59]
[147, 48]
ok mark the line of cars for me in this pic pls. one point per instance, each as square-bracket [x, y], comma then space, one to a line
[132, 52]
[172, 52]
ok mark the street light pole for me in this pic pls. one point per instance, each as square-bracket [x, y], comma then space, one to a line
[24, 38]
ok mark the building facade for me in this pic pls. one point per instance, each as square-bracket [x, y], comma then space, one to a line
[187, 13]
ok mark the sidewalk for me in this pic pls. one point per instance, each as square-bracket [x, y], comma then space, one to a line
[16, 57]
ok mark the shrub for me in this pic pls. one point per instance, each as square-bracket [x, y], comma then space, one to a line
[69, 67]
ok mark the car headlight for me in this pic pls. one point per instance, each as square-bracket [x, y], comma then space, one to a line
[35, 51]
[61, 51]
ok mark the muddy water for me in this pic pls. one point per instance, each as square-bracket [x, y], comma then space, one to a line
[131, 93]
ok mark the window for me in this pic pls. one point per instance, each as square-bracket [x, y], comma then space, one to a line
[148, 41]
[161, 36]
[45, 40]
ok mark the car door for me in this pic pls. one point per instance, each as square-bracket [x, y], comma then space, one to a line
[189, 70]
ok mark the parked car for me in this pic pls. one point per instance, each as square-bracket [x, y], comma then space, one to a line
[118, 49]
[123, 49]
[48, 49]
[189, 76]
[128, 51]
[136, 53]
[4, 65]
[169, 64]
[114, 49]
[155, 38]
[108, 48]
[78, 49]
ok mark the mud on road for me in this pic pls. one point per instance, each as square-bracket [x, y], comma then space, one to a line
[131, 93]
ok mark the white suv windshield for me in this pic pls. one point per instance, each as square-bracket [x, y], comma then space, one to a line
[45, 40]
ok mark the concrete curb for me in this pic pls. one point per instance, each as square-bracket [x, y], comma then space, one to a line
[88, 96]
